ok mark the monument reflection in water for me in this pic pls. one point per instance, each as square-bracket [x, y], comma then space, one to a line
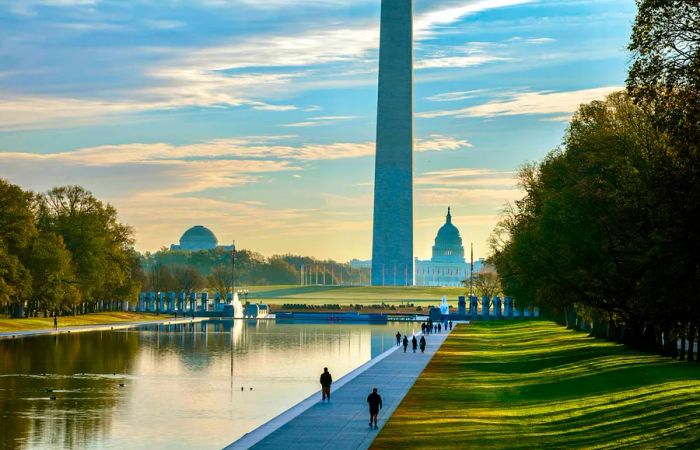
[182, 386]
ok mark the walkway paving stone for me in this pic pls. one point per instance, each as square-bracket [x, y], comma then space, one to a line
[344, 422]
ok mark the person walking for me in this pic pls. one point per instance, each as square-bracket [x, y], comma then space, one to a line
[375, 404]
[405, 343]
[414, 343]
[398, 339]
[55, 321]
[422, 328]
[450, 325]
[326, 380]
[439, 328]
[422, 344]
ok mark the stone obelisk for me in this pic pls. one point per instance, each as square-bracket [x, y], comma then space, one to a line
[392, 245]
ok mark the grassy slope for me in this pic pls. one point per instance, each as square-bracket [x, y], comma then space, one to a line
[72, 321]
[536, 385]
[355, 295]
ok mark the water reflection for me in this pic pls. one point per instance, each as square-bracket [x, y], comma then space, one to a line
[196, 385]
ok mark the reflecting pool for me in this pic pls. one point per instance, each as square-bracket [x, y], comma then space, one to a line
[200, 385]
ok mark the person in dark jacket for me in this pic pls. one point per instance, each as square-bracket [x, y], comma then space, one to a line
[405, 343]
[422, 344]
[414, 342]
[375, 404]
[398, 338]
[326, 380]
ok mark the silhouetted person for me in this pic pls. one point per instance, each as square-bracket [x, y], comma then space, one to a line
[439, 328]
[450, 325]
[398, 339]
[414, 343]
[422, 344]
[326, 380]
[375, 404]
[405, 343]
[55, 321]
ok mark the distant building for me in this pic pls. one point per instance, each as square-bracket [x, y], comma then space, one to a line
[199, 238]
[447, 267]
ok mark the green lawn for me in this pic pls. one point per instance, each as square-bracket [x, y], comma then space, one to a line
[38, 323]
[356, 295]
[536, 385]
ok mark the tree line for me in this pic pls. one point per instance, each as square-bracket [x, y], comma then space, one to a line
[189, 271]
[63, 251]
[607, 235]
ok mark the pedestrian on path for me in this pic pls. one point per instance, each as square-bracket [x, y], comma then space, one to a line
[422, 344]
[375, 404]
[439, 328]
[55, 321]
[398, 339]
[405, 343]
[414, 342]
[450, 325]
[326, 380]
[422, 328]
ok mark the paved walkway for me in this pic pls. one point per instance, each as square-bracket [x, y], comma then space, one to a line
[344, 422]
[84, 328]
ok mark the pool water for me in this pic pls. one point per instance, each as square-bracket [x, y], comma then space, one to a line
[200, 385]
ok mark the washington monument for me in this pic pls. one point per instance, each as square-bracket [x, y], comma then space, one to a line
[392, 242]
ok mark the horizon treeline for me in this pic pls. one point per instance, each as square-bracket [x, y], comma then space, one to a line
[178, 270]
[607, 235]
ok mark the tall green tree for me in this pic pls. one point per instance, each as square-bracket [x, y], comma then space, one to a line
[101, 247]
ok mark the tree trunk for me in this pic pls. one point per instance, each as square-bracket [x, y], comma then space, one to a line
[681, 335]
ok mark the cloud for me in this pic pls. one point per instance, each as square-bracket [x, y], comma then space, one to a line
[544, 102]
[473, 186]
[468, 177]
[457, 96]
[457, 61]
[23, 112]
[426, 24]
[438, 142]
[319, 121]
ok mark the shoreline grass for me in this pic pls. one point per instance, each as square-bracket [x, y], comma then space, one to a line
[537, 385]
[106, 318]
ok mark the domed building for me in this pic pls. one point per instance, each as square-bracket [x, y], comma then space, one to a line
[198, 238]
[447, 267]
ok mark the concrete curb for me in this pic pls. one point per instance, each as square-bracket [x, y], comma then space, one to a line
[86, 328]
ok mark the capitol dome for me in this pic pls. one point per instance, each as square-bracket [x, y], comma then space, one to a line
[198, 238]
[448, 243]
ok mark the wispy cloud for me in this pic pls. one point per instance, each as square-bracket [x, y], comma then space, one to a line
[457, 96]
[319, 121]
[545, 102]
[457, 61]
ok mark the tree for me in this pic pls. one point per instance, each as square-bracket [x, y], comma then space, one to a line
[53, 280]
[15, 284]
[665, 71]
[187, 279]
[586, 231]
[220, 280]
[665, 80]
[487, 284]
[101, 247]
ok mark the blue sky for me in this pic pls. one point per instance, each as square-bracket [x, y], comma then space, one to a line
[256, 118]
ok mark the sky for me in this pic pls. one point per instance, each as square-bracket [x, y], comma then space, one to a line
[257, 118]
